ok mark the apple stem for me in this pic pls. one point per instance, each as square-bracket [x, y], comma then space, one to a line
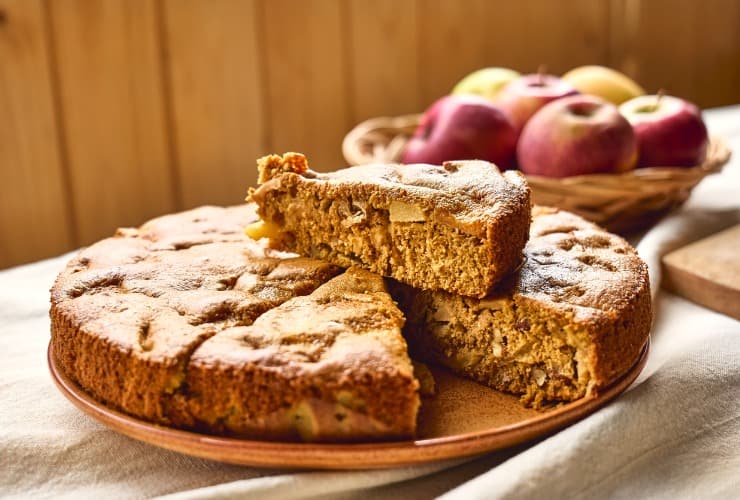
[541, 71]
[658, 98]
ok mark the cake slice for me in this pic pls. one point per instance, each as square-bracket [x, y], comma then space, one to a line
[330, 366]
[569, 322]
[459, 227]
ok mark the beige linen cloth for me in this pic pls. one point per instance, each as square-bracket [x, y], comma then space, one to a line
[674, 434]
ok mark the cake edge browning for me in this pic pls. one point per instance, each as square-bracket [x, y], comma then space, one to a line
[619, 346]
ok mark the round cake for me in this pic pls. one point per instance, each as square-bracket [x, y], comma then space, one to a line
[187, 322]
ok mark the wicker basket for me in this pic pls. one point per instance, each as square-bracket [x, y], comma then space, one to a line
[623, 203]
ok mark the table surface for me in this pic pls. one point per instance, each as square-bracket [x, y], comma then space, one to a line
[675, 433]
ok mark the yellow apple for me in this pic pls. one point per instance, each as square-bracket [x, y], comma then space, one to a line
[486, 82]
[603, 82]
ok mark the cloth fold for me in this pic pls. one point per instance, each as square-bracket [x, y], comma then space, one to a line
[676, 432]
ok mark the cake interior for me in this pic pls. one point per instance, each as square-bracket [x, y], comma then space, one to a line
[513, 346]
[393, 239]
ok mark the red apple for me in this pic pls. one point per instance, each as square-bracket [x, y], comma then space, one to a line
[577, 135]
[462, 127]
[669, 131]
[523, 97]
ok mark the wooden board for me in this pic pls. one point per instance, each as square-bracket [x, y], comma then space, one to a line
[463, 419]
[707, 272]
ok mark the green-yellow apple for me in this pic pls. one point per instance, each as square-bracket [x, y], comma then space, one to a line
[486, 82]
[524, 96]
[670, 131]
[603, 82]
[577, 135]
[462, 127]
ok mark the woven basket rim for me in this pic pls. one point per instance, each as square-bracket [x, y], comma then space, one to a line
[615, 200]
[718, 152]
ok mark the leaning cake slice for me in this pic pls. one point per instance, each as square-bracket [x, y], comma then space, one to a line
[330, 366]
[459, 227]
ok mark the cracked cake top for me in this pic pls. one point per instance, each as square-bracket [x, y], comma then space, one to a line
[190, 272]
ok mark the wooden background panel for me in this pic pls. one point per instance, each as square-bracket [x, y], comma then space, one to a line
[522, 35]
[34, 216]
[646, 35]
[452, 44]
[717, 64]
[306, 79]
[110, 88]
[687, 47]
[383, 50]
[115, 111]
[216, 94]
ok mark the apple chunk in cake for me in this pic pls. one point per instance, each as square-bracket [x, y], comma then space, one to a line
[459, 227]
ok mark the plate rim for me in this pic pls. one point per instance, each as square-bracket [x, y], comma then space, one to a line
[341, 456]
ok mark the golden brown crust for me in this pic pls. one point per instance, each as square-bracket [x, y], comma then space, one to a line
[131, 314]
[570, 321]
[459, 227]
[599, 278]
[335, 359]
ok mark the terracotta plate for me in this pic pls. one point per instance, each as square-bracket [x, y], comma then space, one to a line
[463, 419]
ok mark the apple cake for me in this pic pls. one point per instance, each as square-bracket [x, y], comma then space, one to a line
[187, 322]
[459, 227]
[571, 320]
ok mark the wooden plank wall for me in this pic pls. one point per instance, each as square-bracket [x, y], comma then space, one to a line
[115, 111]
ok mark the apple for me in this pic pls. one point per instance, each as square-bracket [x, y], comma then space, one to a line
[577, 135]
[603, 82]
[486, 82]
[462, 127]
[524, 96]
[670, 131]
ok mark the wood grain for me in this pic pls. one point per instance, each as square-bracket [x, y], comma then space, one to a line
[384, 53]
[689, 48]
[111, 102]
[522, 35]
[717, 65]
[707, 272]
[306, 79]
[216, 97]
[34, 216]
[450, 47]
